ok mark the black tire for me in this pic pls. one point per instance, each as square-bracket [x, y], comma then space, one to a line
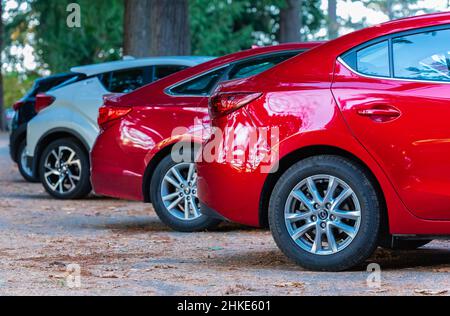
[83, 186]
[364, 242]
[405, 244]
[25, 171]
[198, 224]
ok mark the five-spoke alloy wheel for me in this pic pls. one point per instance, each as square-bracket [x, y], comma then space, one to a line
[324, 213]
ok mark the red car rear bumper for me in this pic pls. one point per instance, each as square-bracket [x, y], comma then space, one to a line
[116, 172]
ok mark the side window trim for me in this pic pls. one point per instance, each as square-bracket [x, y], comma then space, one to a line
[265, 56]
[348, 58]
[169, 91]
[391, 58]
[225, 75]
[148, 74]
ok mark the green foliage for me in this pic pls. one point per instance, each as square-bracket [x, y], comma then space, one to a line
[220, 27]
[214, 29]
[15, 86]
[57, 47]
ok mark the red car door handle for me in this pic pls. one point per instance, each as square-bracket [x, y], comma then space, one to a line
[388, 112]
[381, 114]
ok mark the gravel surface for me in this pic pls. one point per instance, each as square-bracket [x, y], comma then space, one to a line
[123, 249]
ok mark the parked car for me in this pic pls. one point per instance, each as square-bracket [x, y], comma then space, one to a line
[23, 113]
[60, 137]
[132, 156]
[363, 146]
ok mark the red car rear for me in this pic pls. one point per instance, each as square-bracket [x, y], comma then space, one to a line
[339, 150]
[132, 156]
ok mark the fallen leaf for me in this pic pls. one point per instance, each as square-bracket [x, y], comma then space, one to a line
[291, 284]
[445, 269]
[430, 292]
[164, 267]
[57, 276]
[238, 288]
[378, 291]
[57, 264]
[110, 276]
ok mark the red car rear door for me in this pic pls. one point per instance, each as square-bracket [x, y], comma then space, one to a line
[395, 96]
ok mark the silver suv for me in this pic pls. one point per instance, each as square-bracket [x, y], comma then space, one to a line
[61, 136]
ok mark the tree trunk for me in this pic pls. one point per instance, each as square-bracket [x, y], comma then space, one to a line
[156, 28]
[2, 103]
[333, 26]
[170, 28]
[291, 21]
[137, 30]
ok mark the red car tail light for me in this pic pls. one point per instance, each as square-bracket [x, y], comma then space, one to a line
[225, 103]
[16, 106]
[107, 114]
[43, 101]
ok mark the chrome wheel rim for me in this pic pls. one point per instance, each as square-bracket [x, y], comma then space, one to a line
[62, 170]
[24, 163]
[322, 214]
[179, 192]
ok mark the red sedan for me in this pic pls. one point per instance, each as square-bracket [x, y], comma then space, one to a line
[132, 157]
[358, 149]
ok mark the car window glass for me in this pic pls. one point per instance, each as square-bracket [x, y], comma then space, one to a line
[200, 86]
[374, 60]
[124, 81]
[424, 56]
[164, 71]
[44, 86]
[68, 82]
[254, 67]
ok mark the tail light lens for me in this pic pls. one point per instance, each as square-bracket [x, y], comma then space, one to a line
[107, 114]
[224, 103]
[18, 105]
[43, 101]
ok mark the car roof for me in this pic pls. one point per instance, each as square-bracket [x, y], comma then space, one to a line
[392, 27]
[95, 69]
[186, 74]
[144, 93]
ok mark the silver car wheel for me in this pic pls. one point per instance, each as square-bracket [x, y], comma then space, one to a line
[179, 192]
[62, 170]
[323, 214]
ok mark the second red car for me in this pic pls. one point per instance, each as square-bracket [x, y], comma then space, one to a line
[132, 157]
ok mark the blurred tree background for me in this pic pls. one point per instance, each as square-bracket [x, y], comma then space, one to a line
[36, 30]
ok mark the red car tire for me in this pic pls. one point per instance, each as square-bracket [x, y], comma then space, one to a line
[355, 250]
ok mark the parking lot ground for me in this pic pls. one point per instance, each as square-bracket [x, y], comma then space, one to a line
[122, 248]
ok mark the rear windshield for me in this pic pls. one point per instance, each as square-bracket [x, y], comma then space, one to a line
[44, 85]
[74, 79]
